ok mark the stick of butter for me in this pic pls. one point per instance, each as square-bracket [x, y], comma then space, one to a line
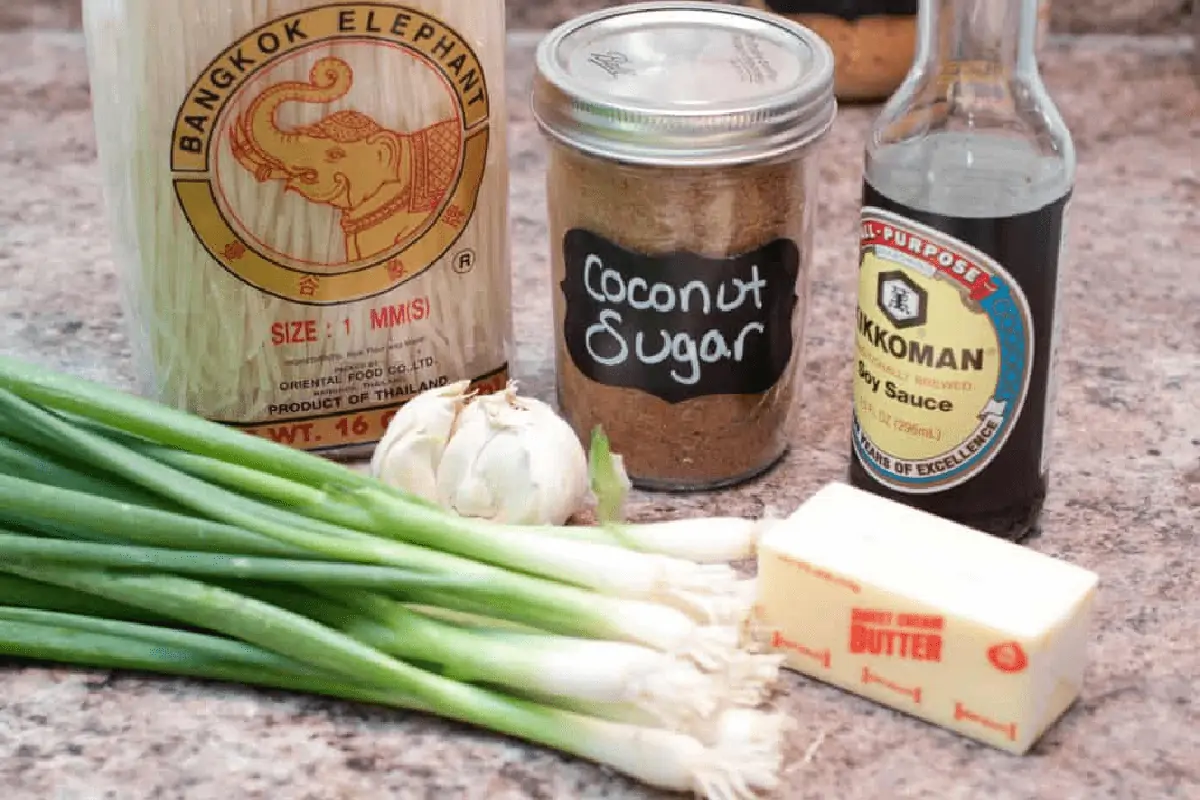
[964, 630]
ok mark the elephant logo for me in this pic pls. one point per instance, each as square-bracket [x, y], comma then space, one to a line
[386, 184]
[329, 156]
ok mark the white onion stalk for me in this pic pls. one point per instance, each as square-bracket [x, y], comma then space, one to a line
[749, 680]
[671, 691]
[742, 758]
[675, 692]
[619, 572]
[605, 568]
[732, 607]
[713, 648]
[706, 540]
[703, 540]
[746, 676]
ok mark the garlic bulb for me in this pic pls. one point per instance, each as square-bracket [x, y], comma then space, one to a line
[513, 460]
[499, 457]
[411, 450]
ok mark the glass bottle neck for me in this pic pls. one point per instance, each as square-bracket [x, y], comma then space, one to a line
[999, 33]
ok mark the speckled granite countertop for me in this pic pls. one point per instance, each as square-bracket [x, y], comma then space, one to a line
[1124, 502]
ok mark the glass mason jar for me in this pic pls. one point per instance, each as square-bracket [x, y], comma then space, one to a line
[969, 171]
[682, 198]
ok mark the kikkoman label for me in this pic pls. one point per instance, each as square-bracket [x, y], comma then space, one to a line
[293, 131]
[944, 344]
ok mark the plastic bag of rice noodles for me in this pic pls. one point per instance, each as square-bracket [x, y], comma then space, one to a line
[308, 205]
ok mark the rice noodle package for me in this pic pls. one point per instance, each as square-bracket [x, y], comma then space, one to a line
[308, 205]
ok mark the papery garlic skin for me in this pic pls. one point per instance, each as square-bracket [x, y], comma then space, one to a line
[513, 460]
[411, 450]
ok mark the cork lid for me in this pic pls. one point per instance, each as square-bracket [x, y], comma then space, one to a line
[684, 83]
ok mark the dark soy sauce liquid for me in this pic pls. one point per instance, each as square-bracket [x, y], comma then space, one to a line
[1005, 499]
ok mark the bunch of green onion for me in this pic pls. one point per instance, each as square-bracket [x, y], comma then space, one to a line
[135, 536]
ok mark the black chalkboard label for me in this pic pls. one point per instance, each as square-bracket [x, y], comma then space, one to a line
[846, 9]
[680, 325]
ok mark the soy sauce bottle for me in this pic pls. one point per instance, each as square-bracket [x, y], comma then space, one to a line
[969, 171]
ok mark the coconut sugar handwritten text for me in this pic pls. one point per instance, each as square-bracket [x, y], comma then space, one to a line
[680, 325]
[607, 285]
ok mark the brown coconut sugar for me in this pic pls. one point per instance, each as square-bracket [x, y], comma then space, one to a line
[706, 441]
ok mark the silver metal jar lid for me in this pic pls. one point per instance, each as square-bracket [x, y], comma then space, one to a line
[684, 84]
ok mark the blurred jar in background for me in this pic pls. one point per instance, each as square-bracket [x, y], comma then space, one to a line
[873, 41]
